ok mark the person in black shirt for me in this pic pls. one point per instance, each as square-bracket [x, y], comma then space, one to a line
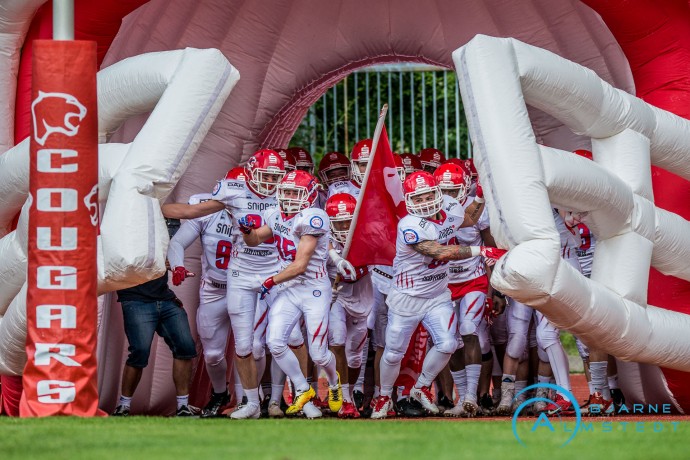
[153, 308]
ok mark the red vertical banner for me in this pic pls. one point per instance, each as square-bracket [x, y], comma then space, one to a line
[60, 373]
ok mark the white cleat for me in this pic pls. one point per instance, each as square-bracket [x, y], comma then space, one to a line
[540, 406]
[274, 410]
[249, 410]
[311, 411]
[457, 411]
[470, 405]
[507, 393]
[382, 406]
[423, 395]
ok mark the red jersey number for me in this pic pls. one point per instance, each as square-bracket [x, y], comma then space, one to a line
[223, 251]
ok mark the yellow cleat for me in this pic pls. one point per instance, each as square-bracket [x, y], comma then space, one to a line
[300, 400]
[335, 397]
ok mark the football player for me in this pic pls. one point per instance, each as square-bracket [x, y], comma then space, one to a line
[347, 332]
[248, 267]
[302, 287]
[420, 293]
[469, 287]
[213, 322]
[303, 160]
[431, 159]
[335, 171]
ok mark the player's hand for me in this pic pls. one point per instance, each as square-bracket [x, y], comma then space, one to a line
[491, 255]
[346, 269]
[480, 191]
[489, 312]
[245, 225]
[499, 304]
[266, 287]
[180, 274]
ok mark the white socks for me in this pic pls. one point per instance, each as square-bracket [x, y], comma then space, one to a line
[472, 371]
[182, 401]
[434, 363]
[599, 380]
[460, 381]
[125, 401]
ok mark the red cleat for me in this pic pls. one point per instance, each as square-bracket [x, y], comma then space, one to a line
[560, 406]
[348, 410]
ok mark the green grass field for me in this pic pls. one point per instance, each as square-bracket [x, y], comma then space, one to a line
[168, 438]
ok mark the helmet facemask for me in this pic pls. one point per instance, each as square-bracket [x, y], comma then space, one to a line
[428, 208]
[265, 180]
[293, 198]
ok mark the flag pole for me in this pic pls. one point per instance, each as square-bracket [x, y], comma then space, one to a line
[374, 145]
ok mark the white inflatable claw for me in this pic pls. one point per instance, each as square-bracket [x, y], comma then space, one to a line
[523, 180]
[184, 90]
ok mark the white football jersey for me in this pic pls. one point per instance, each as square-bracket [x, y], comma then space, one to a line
[241, 201]
[461, 271]
[345, 186]
[415, 274]
[569, 242]
[585, 253]
[287, 233]
[215, 231]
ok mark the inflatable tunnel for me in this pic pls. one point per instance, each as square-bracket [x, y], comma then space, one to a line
[288, 54]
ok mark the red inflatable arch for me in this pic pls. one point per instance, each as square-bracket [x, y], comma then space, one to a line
[289, 53]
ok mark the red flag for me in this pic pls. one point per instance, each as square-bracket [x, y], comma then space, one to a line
[383, 204]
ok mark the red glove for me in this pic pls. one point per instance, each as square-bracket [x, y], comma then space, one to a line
[266, 286]
[480, 190]
[179, 275]
[489, 313]
[491, 255]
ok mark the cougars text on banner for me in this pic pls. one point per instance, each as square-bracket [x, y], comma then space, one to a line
[383, 204]
[60, 372]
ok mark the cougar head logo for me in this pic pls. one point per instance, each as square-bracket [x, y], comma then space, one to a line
[56, 113]
[91, 202]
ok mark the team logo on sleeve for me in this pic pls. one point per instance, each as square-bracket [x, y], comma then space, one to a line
[316, 293]
[216, 189]
[410, 236]
[316, 222]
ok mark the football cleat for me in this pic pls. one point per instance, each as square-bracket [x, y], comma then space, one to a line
[423, 395]
[560, 406]
[507, 394]
[274, 410]
[382, 407]
[215, 405]
[358, 399]
[348, 410]
[444, 403]
[310, 411]
[486, 404]
[618, 399]
[300, 400]
[187, 411]
[599, 406]
[540, 406]
[457, 411]
[335, 396]
[249, 410]
[470, 405]
[409, 408]
[121, 411]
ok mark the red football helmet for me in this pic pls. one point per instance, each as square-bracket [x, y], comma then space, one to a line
[411, 162]
[584, 153]
[422, 183]
[237, 173]
[341, 208]
[288, 159]
[360, 156]
[297, 191]
[453, 179]
[399, 166]
[334, 167]
[431, 159]
[265, 169]
[303, 159]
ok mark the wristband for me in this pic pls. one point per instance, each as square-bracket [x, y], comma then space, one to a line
[479, 200]
[475, 251]
[335, 257]
[269, 283]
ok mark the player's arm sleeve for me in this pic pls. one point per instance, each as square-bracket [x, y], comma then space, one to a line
[313, 222]
[416, 232]
[185, 236]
